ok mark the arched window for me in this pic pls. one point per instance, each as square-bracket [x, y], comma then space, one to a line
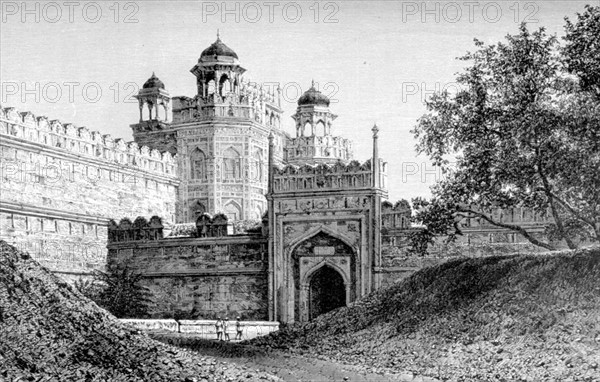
[233, 211]
[257, 166]
[307, 130]
[211, 87]
[231, 164]
[224, 85]
[198, 164]
[320, 129]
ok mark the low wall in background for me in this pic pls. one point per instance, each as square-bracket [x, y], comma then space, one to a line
[204, 328]
[199, 278]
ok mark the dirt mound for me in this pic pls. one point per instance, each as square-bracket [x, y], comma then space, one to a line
[49, 331]
[503, 318]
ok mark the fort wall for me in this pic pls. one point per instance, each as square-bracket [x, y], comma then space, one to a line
[199, 277]
[479, 239]
[61, 184]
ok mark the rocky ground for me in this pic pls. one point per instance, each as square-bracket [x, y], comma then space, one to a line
[50, 332]
[287, 366]
[504, 318]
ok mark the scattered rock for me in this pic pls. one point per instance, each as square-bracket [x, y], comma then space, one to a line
[49, 331]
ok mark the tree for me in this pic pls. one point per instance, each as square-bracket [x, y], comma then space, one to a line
[582, 50]
[119, 291]
[524, 131]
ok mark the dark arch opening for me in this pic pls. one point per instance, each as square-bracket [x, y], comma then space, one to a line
[326, 291]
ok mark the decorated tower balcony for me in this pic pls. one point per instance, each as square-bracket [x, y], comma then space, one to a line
[224, 93]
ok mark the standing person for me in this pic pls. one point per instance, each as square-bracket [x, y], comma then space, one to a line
[219, 327]
[238, 328]
[225, 327]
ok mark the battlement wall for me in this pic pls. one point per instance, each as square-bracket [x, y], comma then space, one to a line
[353, 175]
[83, 142]
[479, 238]
[60, 185]
[318, 147]
[192, 278]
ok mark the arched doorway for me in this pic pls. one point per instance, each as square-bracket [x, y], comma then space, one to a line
[324, 275]
[326, 291]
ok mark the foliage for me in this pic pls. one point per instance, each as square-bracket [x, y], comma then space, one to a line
[582, 50]
[524, 130]
[118, 291]
[89, 288]
[241, 227]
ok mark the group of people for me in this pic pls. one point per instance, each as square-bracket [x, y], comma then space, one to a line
[223, 325]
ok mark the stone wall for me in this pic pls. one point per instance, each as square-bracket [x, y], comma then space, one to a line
[398, 263]
[200, 278]
[60, 185]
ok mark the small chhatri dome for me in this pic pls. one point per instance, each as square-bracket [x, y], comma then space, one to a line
[313, 97]
[153, 82]
[218, 49]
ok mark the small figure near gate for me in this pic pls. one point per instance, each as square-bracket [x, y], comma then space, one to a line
[225, 327]
[219, 328]
[238, 328]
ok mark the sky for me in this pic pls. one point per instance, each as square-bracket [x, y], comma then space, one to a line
[81, 61]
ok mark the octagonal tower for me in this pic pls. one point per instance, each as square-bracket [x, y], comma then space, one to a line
[221, 139]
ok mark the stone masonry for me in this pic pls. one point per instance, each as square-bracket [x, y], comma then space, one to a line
[61, 184]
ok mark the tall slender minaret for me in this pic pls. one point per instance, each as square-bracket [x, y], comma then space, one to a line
[271, 162]
[375, 164]
[270, 231]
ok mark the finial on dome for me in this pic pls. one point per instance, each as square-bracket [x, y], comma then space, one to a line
[375, 130]
[218, 35]
[312, 84]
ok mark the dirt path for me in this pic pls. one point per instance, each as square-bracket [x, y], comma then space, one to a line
[289, 367]
[295, 368]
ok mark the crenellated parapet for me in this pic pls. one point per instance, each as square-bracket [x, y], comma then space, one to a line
[140, 229]
[211, 226]
[352, 175]
[83, 142]
[523, 216]
[318, 149]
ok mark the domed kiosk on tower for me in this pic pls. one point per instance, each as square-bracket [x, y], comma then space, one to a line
[218, 72]
[154, 101]
[314, 143]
